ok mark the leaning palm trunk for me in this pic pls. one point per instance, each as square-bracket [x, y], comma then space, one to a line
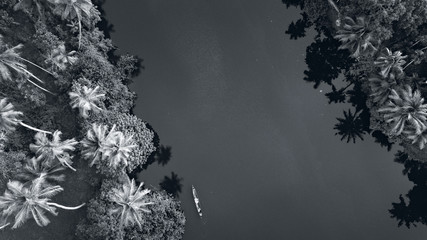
[69, 165]
[10, 58]
[35, 65]
[65, 207]
[334, 6]
[33, 128]
[42, 88]
[4, 225]
[24, 70]
[9, 118]
[79, 18]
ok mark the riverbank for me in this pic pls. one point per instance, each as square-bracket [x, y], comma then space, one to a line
[75, 85]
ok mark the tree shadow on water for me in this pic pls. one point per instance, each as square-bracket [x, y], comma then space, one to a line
[172, 184]
[298, 29]
[411, 209]
[325, 64]
[163, 155]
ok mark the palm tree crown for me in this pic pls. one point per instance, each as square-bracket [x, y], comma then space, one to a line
[131, 204]
[59, 58]
[417, 138]
[27, 6]
[8, 116]
[37, 172]
[119, 149]
[354, 36]
[9, 59]
[71, 9]
[30, 201]
[114, 146]
[390, 63]
[85, 99]
[96, 142]
[55, 149]
[381, 88]
[408, 106]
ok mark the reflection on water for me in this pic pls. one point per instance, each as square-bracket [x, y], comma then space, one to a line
[325, 64]
[163, 155]
[253, 137]
[412, 209]
[172, 185]
[351, 126]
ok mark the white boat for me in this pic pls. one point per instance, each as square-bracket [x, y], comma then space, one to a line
[196, 201]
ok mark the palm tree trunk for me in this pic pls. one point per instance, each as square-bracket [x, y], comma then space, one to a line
[42, 88]
[21, 68]
[33, 128]
[65, 207]
[415, 43]
[79, 19]
[35, 65]
[69, 166]
[3, 226]
[408, 64]
[334, 6]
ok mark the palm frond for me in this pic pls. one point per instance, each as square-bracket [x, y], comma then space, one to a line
[86, 99]
[53, 149]
[130, 203]
[8, 116]
[405, 107]
[390, 63]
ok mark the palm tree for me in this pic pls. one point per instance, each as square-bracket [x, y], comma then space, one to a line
[55, 149]
[115, 147]
[85, 99]
[36, 171]
[71, 9]
[381, 88]
[354, 36]
[32, 201]
[9, 118]
[59, 58]
[96, 142]
[27, 6]
[131, 204]
[408, 106]
[417, 138]
[119, 149]
[350, 127]
[10, 59]
[390, 62]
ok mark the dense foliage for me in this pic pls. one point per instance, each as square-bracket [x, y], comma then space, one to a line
[165, 220]
[65, 105]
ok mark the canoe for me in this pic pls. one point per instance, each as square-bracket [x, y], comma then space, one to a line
[196, 201]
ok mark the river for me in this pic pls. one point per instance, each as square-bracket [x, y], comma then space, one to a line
[223, 87]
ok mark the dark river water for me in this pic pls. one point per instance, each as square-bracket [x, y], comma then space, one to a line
[223, 87]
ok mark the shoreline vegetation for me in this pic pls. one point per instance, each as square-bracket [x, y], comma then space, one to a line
[70, 145]
[378, 48]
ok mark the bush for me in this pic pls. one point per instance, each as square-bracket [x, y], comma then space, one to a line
[10, 164]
